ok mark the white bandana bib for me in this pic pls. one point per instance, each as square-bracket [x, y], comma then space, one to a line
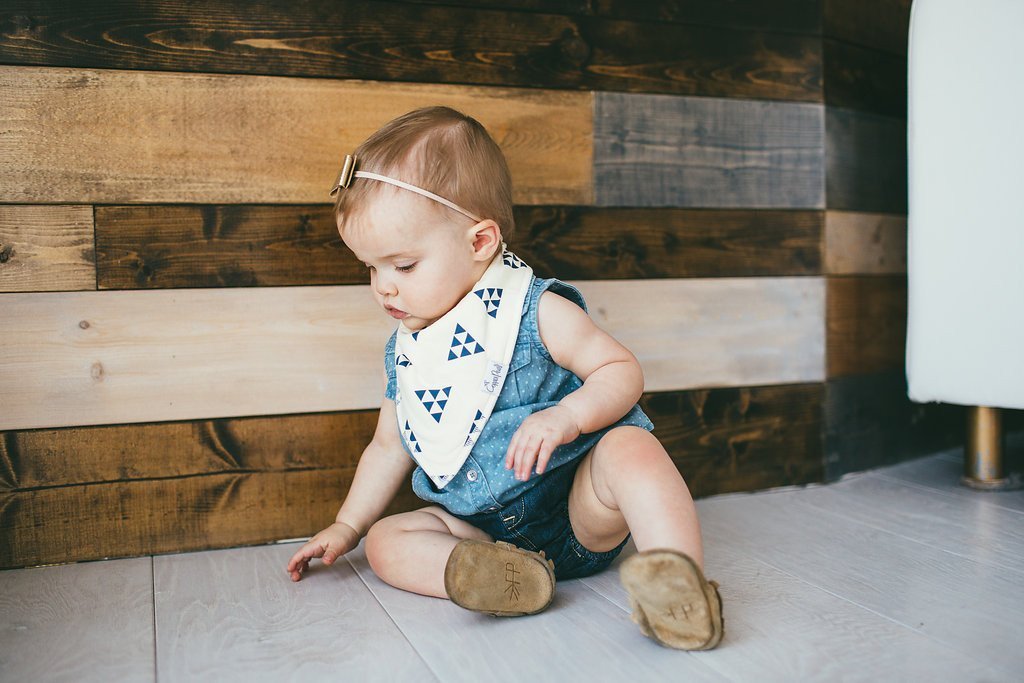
[450, 373]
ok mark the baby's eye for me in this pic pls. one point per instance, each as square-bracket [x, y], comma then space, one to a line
[405, 269]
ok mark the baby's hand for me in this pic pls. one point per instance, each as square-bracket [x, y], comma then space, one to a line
[537, 437]
[330, 544]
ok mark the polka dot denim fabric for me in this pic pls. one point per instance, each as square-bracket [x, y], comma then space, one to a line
[534, 382]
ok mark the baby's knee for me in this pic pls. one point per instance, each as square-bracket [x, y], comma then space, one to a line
[380, 546]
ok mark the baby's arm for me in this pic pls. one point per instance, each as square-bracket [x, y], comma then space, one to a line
[382, 468]
[612, 382]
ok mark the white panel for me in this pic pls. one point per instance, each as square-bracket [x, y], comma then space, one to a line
[965, 330]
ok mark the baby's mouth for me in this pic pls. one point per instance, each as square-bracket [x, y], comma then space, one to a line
[394, 312]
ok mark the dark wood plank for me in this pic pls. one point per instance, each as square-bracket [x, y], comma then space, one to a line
[42, 458]
[795, 16]
[863, 78]
[741, 439]
[866, 324]
[413, 42]
[619, 243]
[866, 159]
[878, 24]
[163, 246]
[791, 16]
[46, 248]
[87, 493]
[652, 150]
[870, 422]
[158, 246]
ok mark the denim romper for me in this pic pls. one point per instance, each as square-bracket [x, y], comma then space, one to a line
[532, 514]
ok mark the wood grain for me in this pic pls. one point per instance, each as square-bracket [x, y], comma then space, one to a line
[165, 246]
[90, 358]
[641, 243]
[46, 248]
[199, 138]
[652, 150]
[864, 243]
[866, 324]
[81, 358]
[82, 622]
[44, 458]
[401, 41]
[741, 439]
[866, 161]
[234, 615]
[126, 518]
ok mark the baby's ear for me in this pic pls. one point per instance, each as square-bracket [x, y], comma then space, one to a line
[486, 239]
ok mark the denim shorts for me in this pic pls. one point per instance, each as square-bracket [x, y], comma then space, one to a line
[538, 519]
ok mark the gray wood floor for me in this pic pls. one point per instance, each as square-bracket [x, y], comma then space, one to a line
[899, 574]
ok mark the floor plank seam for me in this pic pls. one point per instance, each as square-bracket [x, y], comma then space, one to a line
[868, 525]
[584, 582]
[951, 494]
[923, 634]
[392, 619]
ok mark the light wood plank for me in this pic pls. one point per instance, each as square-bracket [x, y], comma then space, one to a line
[83, 358]
[706, 332]
[580, 636]
[656, 150]
[868, 243]
[963, 526]
[235, 615]
[779, 628]
[969, 607]
[46, 248]
[106, 136]
[78, 622]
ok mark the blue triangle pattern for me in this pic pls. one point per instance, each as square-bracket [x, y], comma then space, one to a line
[491, 296]
[511, 260]
[463, 344]
[403, 360]
[411, 438]
[434, 400]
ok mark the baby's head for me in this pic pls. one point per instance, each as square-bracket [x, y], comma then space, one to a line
[424, 255]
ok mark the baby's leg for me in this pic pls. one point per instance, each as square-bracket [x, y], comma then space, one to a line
[410, 550]
[627, 482]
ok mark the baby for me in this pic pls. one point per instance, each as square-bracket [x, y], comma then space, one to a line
[517, 415]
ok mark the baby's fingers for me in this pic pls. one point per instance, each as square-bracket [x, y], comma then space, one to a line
[546, 448]
[526, 457]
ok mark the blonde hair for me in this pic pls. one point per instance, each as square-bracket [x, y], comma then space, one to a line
[440, 150]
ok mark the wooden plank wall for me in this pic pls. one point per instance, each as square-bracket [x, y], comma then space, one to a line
[190, 358]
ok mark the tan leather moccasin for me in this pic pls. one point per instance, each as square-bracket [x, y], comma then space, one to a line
[499, 578]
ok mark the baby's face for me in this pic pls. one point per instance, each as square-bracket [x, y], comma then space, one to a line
[421, 261]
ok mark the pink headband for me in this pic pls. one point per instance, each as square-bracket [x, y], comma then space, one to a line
[348, 171]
